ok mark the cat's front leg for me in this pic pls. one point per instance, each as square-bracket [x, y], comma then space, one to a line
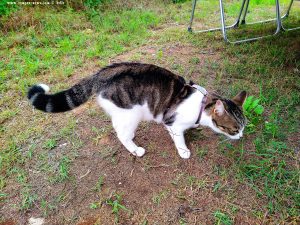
[177, 135]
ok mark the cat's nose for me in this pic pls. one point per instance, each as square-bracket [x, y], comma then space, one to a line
[241, 135]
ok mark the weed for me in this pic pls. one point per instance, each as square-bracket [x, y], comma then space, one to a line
[108, 153]
[100, 133]
[178, 67]
[99, 184]
[145, 222]
[253, 111]
[31, 149]
[195, 60]
[68, 129]
[201, 152]
[2, 195]
[116, 203]
[46, 207]
[272, 125]
[94, 205]
[164, 154]
[177, 180]
[7, 114]
[217, 186]
[195, 182]
[27, 198]
[63, 170]
[222, 218]
[160, 54]
[2, 182]
[182, 221]
[157, 198]
[252, 106]
[191, 180]
[50, 144]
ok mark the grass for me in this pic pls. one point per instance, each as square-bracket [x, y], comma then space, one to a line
[99, 184]
[162, 195]
[48, 45]
[116, 204]
[222, 218]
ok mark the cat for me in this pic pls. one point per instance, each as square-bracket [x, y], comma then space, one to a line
[134, 92]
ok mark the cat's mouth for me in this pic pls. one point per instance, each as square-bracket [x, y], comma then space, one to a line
[235, 137]
[230, 137]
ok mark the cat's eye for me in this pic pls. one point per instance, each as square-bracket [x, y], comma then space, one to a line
[220, 126]
[234, 132]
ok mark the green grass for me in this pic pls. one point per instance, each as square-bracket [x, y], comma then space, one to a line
[270, 169]
[222, 218]
[99, 184]
[159, 197]
[115, 201]
[59, 49]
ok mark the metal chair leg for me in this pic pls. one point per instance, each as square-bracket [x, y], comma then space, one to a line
[265, 21]
[243, 10]
[192, 16]
[288, 10]
[286, 15]
[245, 13]
[234, 25]
[278, 20]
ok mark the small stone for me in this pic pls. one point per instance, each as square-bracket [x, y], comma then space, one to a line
[36, 221]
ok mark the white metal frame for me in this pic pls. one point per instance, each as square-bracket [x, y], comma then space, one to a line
[243, 10]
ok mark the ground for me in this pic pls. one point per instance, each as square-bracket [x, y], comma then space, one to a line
[70, 168]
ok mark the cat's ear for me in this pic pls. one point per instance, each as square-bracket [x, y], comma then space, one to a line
[191, 83]
[219, 108]
[240, 98]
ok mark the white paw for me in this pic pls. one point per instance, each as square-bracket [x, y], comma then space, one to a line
[139, 152]
[185, 154]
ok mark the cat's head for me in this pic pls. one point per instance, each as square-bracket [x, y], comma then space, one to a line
[227, 116]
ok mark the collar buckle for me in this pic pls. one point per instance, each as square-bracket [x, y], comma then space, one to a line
[201, 89]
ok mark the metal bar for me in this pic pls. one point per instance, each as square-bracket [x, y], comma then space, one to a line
[244, 8]
[278, 29]
[278, 18]
[223, 21]
[237, 22]
[268, 20]
[234, 25]
[288, 10]
[245, 13]
[192, 16]
[286, 15]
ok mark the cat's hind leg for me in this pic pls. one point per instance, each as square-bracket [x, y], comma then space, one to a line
[125, 126]
[125, 122]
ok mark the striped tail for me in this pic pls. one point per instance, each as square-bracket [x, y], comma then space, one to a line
[61, 101]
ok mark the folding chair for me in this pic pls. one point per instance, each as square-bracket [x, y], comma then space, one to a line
[243, 10]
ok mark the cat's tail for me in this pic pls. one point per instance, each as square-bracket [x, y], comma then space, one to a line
[62, 101]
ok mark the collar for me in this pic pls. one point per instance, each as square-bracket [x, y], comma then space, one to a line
[203, 102]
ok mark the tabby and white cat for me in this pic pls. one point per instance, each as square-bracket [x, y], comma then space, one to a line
[133, 92]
